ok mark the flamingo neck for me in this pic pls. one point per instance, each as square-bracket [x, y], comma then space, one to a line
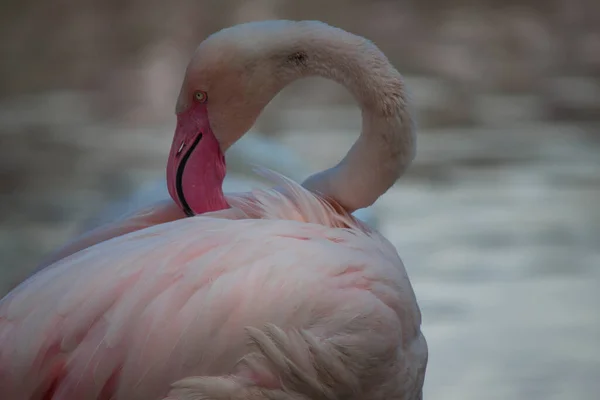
[386, 145]
[259, 59]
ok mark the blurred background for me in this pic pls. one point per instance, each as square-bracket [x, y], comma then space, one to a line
[498, 220]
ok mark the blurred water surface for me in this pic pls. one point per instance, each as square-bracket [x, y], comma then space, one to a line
[498, 220]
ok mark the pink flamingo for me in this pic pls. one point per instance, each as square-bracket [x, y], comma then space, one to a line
[275, 294]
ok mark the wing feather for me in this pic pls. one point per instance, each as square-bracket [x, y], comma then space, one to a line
[129, 316]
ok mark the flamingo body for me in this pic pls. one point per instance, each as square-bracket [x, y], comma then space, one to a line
[277, 294]
[128, 317]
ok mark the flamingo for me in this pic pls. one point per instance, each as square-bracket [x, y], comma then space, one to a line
[279, 293]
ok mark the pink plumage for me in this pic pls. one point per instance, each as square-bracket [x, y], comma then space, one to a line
[128, 317]
[274, 294]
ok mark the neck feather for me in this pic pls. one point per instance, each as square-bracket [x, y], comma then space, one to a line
[386, 145]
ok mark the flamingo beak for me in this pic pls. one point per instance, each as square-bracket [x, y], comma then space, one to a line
[192, 129]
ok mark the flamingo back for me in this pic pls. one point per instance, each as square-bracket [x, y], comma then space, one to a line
[280, 296]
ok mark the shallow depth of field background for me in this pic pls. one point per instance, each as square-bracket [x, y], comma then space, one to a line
[498, 220]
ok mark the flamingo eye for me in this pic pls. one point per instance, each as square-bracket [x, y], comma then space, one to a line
[200, 96]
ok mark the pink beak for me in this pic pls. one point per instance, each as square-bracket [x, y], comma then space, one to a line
[191, 160]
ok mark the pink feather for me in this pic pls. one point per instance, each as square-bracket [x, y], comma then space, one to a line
[272, 296]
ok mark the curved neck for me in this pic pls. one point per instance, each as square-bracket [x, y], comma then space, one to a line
[386, 145]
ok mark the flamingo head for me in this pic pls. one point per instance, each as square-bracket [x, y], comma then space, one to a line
[231, 77]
